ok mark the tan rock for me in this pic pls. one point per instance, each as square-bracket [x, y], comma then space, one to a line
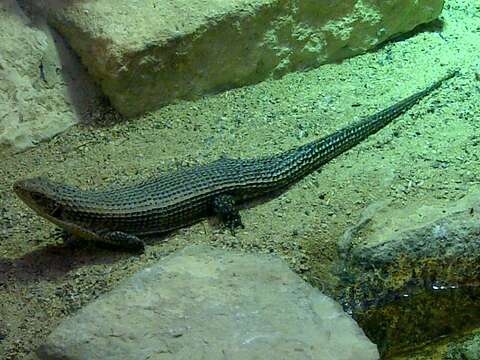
[205, 303]
[33, 98]
[145, 54]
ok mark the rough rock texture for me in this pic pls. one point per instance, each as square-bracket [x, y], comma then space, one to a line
[33, 97]
[204, 303]
[467, 349]
[414, 272]
[145, 54]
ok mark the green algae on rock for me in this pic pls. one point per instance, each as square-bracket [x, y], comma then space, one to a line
[415, 272]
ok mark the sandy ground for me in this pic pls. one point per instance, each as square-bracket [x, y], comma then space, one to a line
[429, 154]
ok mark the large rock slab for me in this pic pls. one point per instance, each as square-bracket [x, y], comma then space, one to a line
[413, 274]
[203, 303]
[148, 53]
[34, 102]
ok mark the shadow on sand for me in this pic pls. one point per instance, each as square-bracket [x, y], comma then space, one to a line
[55, 261]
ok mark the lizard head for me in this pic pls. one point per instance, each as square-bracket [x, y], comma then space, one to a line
[50, 200]
[39, 194]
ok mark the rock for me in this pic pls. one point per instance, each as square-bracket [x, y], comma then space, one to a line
[204, 303]
[412, 273]
[464, 349]
[145, 54]
[34, 104]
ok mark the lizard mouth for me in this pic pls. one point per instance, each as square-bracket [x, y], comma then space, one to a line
[33, 195]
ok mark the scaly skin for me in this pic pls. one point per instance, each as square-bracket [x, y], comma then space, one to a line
[177, 199]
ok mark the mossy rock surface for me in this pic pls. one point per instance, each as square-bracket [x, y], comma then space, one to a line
[414, 272]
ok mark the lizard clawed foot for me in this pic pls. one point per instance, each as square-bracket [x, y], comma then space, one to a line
[122, 240]
[224, 208]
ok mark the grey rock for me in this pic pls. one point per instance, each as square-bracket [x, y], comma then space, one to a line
[148, 53]
[205, 303]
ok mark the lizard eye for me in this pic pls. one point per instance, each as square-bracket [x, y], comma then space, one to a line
[37, 197]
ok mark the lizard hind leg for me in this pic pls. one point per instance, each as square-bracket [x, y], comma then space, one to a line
[121, 240]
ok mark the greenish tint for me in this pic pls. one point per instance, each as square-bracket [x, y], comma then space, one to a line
[405, 323]
[411, 274]
[466, 350]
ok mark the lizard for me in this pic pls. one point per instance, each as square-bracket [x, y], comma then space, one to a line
[122, 216]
